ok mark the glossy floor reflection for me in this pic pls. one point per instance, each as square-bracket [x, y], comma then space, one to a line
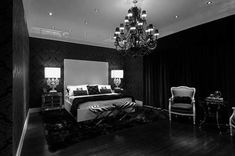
[161, 138]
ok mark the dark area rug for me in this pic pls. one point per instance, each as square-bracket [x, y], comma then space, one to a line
[62, 130]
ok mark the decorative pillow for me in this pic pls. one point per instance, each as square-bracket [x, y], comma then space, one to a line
[93, 90]
[104, 86]
[105, 90]
[71, 88]
[182, 99]
[79, 92]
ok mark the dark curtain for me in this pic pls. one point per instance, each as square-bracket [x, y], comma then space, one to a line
[200, 57]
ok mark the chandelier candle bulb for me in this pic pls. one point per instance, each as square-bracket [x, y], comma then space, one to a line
[126, 20]
[121, 26]
[156, 33]
[117, 31]
[129, 13]
[144, 14]
[134, 37]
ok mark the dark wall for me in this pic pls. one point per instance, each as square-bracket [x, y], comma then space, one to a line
[201, 57]
[20, 71]
[52, 53]
[6, 78]
[133, 75]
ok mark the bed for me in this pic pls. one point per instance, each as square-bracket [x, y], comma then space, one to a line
[78, 99]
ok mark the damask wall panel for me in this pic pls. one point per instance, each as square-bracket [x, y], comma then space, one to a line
[6, 78]
[52, 53]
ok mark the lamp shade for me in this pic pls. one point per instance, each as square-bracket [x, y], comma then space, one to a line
[116, 73]
[52, 72]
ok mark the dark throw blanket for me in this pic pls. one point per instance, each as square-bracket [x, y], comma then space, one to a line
[80, 100]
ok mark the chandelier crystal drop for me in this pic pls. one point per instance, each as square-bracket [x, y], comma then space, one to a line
[134, 37]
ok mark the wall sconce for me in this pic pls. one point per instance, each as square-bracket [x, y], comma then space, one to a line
[117, 75]
[52, 74]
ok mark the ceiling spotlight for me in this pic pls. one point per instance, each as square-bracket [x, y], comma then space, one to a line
[50, 14]
[176, 16]
[209, 2]
[96, 10]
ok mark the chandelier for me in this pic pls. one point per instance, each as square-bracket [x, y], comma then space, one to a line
[134, 37]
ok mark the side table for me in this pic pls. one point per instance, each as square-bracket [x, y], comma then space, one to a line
[51, 101]
[212, 107]
[120, 90]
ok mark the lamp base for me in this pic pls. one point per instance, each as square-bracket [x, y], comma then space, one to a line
[53, 91]
[118, 88]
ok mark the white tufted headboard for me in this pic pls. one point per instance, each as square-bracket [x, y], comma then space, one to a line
[80, 72]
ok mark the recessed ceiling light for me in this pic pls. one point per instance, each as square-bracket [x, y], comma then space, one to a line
[209, 2]
[96, 10]
[176, 16]
[50, 14]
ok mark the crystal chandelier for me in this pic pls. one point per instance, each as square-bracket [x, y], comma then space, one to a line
[134, 37]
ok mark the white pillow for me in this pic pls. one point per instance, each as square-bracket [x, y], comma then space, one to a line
[104, 86]
[76, 87]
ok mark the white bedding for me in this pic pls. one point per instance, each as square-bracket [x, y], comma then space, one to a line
[71, 98]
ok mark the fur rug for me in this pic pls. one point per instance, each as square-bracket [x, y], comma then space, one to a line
[62, 130]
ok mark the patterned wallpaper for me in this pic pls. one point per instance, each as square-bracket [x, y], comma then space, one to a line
[6, 78]
[52, 53]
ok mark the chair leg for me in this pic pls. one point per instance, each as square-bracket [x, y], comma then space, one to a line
[169, 115]
[194, 120]
[231, 130]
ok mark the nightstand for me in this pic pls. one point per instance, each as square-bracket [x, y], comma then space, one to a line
[120, 91]
[51, 101]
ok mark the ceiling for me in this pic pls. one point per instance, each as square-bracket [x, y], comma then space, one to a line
[93, 22]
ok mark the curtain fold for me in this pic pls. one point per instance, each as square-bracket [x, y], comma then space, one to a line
[204, 67]
[200, 57]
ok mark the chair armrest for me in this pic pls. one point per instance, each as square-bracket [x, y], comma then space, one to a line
[233, 110]
[170, 102]
[170, 99]
[193, 100]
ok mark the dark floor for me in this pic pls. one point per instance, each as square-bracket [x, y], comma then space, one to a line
[160, 138]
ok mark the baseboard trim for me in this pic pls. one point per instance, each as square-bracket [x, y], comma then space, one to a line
[18, 152]
[34, 110]
[31, 110]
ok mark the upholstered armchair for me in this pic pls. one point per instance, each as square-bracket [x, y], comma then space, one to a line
[232, 121]
[182, 102]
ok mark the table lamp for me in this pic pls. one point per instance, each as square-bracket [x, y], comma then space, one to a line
[52, 74]
[117, 75]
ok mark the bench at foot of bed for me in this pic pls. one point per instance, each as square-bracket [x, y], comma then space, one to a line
[101, 112]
